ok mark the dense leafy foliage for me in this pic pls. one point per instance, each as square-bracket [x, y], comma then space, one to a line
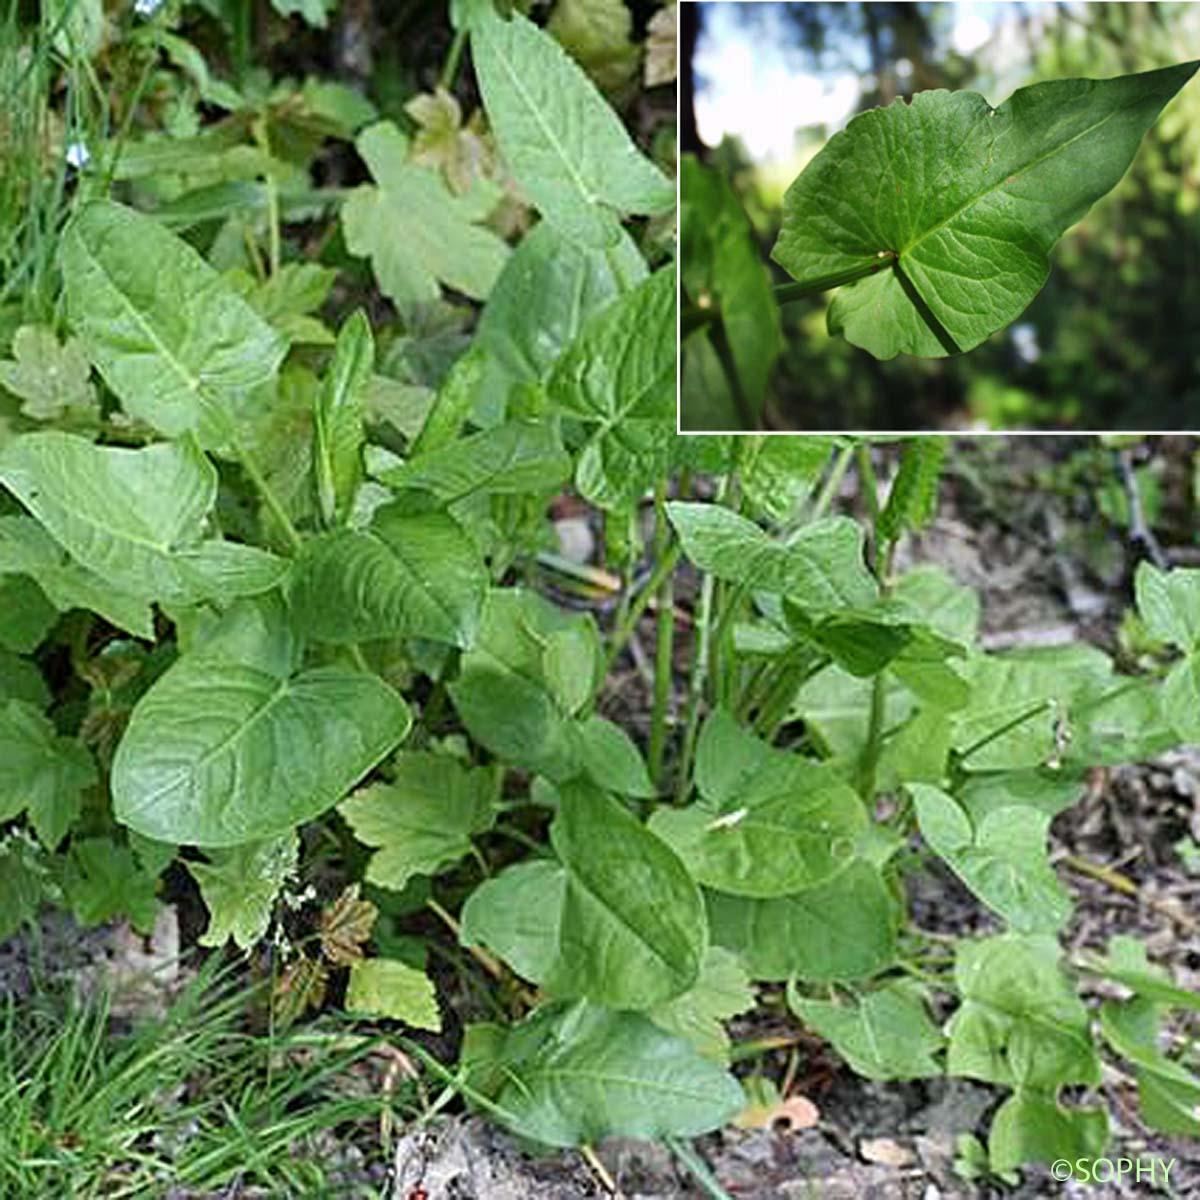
[292, 608]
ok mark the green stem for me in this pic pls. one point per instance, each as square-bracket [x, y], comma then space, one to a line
[702, 642]
[127, 120]
[271, 500]
[726, 660]
[664, 641]
[627, 622]
[779, 699]
[751, 691]
[833, 481]
[695, 316]
[453, 58]
[263, 141]
[695, 687]
[785, 293]
[243, 16]
[1041, 707]
[457, 1082]
[881, 565]
[687, 1155]
[867, 481]
[720, 343]
[869, 762]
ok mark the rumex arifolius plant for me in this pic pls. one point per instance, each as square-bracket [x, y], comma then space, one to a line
[932, 220]
[299, 603]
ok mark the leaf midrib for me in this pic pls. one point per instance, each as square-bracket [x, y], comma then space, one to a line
[606, 1077]
[191, 770]
[418, 582]
[1008, 177]
[619, 918]
[194, 383]
[555, 143]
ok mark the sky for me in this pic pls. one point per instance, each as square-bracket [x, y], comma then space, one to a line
[753, 83]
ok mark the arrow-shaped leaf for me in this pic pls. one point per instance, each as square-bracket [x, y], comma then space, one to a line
[941, 213]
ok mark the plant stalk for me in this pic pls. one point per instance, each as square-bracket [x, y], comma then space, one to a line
[633, 613]
[696, 316]
[453, 58]
[269, 498]
[664, 639]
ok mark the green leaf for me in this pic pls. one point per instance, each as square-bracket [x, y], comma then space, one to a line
[945, 210]
[1169, 1093]
[769, 822]
[1127, 964]
[451, 407]
[229, 747]
[423, 820]
[20, 679]
[608, 755]
[723, 269]
[913, 499]
[239, 887]
[26, 615]
[49, 378]
[135, 518]
[416, 231]
[1046, 790]
[1020, 1022]
[41, 774]
[1021, 700]
[510, 459]
[24, 883]
[1181, 697]
[1002, 858]
[821, 569]
[547, 290]
[778, 474]
[404, 576]
[287, 298]
[596, 34]
[25, 547]
[1169, 604]
[508, 695]
[515, 914]
[721, 991]
[338, 419]
[632, 932]
[171, 337]
[1032, 1126]
[834, 706]
[840, 930]
[884, 1034]
[385, 987]
[576, 1074]
[103, 880]
[917, 753]
[564, 145]
[932, 596]
[618, 378]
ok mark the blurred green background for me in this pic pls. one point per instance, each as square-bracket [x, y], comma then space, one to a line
[1113, 340]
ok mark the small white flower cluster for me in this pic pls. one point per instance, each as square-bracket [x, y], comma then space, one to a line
[78, 155]
[146, 8]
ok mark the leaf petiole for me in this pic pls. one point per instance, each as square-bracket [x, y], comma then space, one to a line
[785, 293]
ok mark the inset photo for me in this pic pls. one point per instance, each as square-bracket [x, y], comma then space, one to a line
[939, 217]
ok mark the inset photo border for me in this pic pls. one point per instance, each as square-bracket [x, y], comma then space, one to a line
[939, 217]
